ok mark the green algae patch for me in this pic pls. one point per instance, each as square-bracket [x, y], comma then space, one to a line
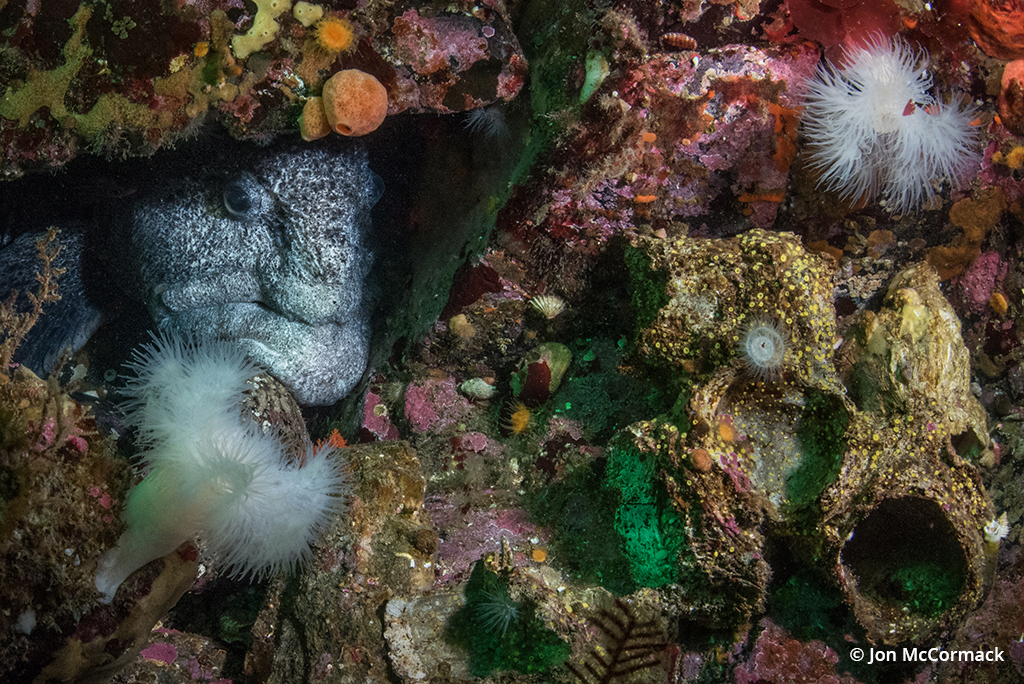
[582, 513]
[820, 432]
[501, 633]
[648, 287]
[651, 530]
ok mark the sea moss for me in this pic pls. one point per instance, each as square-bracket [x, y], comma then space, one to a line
[516, 641]
[820, 431]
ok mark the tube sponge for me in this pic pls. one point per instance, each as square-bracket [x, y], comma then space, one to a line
[874, 128]
[212, 472]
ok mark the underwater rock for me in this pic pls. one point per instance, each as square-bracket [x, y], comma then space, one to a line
[910, 359]
[780, 443]
[886, 506]
[173, 657]
[325, 620]
[874, 484]
[61, 485]
[131, 80]
[778, 657]
[904, 521]
[695, 296]
[415, 634]
[665, 139]
[702, 547]
[111, 637]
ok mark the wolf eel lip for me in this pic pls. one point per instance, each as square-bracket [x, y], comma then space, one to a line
[229, 291]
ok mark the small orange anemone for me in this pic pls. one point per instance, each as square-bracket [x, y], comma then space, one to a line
[335, 34]
[517, 419]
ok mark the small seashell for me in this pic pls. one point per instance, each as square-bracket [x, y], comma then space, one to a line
[477, 388]
[679, 41]
[548, 305]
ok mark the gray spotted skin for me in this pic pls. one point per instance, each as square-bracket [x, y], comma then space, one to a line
[272, 256]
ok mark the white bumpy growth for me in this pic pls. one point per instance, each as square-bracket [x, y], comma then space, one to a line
[212, 472]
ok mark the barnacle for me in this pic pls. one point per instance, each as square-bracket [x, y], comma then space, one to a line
[548, 305]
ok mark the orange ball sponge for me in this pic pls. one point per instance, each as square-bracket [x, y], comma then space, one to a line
[356, 102]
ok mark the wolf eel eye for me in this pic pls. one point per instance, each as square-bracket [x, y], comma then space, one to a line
[238, 198]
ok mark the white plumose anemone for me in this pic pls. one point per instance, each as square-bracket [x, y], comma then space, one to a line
[212, 472]
[874, 129]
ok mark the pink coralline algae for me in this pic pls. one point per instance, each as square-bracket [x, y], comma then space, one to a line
[467, 537]
[664, 140]
[131, 81]
[749, 149]
[473, 441]
[46, 435]
[105, 500]
[779, 659]
[994, 168]
[731, 465]
[431, 53]
[376, 419]
[434, 405]
[162, 652]
[984, 277]
[430, 45]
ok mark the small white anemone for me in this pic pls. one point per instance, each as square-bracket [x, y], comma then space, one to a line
[762, 347]
[488, 121]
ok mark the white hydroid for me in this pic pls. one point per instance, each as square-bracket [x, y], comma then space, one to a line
[874, 128]
[212, 472]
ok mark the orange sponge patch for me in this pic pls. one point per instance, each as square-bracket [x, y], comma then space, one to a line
[334, 34]
[355, 102]
[313, 122]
